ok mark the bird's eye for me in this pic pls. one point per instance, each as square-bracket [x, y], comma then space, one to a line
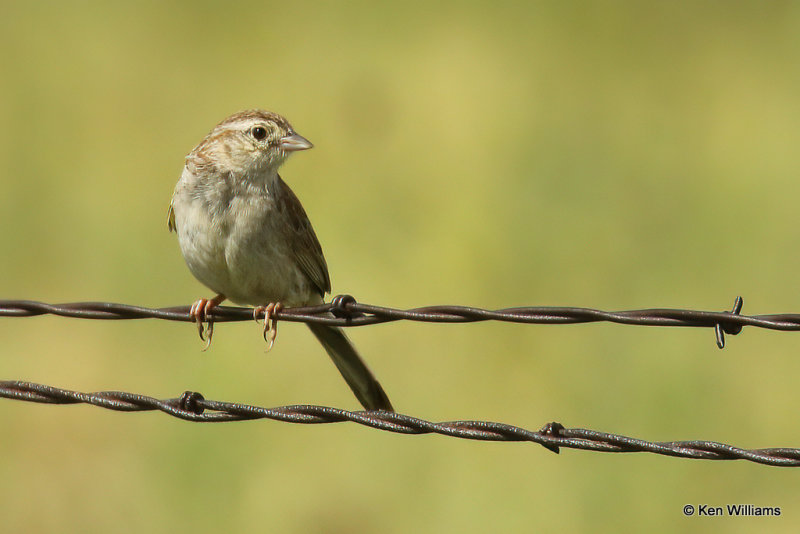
[259, 133]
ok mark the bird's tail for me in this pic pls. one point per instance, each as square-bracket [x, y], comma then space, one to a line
[358, 376]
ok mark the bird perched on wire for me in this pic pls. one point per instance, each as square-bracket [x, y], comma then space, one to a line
[245, 235]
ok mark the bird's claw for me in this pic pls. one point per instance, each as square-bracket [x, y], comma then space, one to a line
[270, 330]
[200, 311]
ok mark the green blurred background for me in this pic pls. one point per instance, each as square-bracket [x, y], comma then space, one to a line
[613, 155]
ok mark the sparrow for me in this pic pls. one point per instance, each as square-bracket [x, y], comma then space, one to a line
[244, 234]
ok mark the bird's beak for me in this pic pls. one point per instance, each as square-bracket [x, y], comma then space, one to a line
[293, 142]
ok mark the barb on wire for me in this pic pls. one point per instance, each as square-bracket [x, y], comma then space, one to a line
[343, 310]
[192, 406]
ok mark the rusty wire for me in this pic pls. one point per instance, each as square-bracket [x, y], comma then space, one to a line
[347, 312]
[343, 310]
[192, 406]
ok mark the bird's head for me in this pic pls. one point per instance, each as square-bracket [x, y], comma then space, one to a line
[250, 142]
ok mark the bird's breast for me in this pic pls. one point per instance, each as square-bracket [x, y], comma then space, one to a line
[238, 245]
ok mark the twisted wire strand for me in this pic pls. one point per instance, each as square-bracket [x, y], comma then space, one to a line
[343, 310]
[192, 406]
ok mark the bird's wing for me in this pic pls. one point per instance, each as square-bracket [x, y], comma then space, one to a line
[171, 218]
[307, 251]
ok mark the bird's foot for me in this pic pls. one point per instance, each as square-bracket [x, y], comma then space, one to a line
[200, 313]
[270, 322]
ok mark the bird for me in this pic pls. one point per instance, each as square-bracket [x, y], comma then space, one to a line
[245, 235]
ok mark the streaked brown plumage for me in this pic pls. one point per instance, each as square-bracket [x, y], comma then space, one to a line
[245, 235]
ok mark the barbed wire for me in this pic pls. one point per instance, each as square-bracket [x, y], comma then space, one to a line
[343, 310]
[192, 406]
